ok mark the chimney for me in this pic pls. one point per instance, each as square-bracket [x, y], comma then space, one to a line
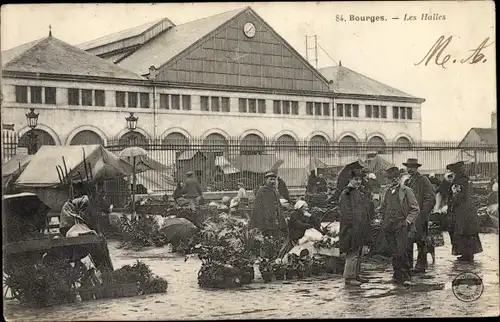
[493, 120]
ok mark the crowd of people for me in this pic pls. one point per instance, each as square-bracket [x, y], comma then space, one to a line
[404, 210]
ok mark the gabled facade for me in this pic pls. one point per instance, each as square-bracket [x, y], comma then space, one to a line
[228, 76]
[228, 57]
[216, 51]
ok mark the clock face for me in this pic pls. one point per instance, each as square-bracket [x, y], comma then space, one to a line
[249, 29]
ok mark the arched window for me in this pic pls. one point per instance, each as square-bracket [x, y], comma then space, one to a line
[176, 141]
[403, 143]
[252, 144]
[318, 146]
[86, 137]
[134, 139]
[286, 143]
[377, 144]
[216, 142]
[43, 138]
[348, 146]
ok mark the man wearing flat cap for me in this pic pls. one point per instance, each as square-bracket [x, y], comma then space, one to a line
[267, 214]
[424, 192]
[355, 231]
[400, 210]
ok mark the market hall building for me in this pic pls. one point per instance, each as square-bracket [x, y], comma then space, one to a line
[228, 76]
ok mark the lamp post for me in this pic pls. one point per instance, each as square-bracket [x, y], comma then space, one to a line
[32, 137]
[132, 125]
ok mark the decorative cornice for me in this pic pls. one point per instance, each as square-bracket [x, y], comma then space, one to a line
[74, 78]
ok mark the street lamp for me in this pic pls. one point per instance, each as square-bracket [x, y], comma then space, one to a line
[131, 122]
[32, 119]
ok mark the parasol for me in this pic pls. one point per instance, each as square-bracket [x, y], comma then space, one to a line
[178, 228]
[344, 176]
[133, 152]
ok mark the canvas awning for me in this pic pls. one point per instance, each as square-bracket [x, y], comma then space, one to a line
[254, 163]
[19, 161]
[41, 171]
[156, 181]
[377, 164]
[14, 167]
[225, 165]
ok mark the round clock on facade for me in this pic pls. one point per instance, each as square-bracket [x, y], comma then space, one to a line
[249, 29]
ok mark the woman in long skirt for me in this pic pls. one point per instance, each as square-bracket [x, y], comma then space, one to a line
[463, 219]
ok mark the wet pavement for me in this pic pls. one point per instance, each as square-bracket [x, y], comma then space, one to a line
[316, 297]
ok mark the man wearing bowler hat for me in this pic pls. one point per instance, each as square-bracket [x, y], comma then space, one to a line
[424, 192]
[400, 211]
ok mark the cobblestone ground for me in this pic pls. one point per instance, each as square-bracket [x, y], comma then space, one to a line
[318, 297]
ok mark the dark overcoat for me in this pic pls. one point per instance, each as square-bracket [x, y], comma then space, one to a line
[461, 211]
[283, 189]
[355, 230]
[463, 219]
[426, 198]
[267, 213]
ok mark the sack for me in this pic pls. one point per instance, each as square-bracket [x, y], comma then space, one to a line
[79, 229]
[234, 203]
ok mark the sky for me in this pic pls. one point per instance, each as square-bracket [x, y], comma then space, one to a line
[458, 97]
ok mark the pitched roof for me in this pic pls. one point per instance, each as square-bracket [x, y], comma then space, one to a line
[9, 54]
[53, 56]
[120, 35]
[169, 44]
[488, 136]
[347, 81]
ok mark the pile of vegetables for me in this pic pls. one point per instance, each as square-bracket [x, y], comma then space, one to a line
[228, 251]
[56, 282]
[327, 242]
[139, 273]
[269, 264]
[44, 284]
[141, 231]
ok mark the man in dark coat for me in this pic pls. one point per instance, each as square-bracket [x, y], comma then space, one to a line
[400, 211]
[311, 183]
[424, 192]
[463, 219]
[355, 230]
[267, 214]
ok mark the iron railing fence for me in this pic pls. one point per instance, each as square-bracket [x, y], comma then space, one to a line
[220, 164]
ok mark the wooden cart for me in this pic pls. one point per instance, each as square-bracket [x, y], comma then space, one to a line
[29, 246]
